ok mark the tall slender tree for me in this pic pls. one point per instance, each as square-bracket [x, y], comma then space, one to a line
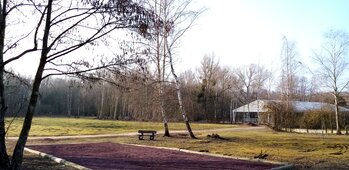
[332, 61]
[289, 67]
[159, 57]
[176, 20]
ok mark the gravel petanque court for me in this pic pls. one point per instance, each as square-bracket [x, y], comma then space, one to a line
[120, 156]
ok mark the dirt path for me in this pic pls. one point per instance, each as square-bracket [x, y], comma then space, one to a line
[120, 156]
[135, 133]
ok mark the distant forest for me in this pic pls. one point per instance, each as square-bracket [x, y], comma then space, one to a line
[209, 94]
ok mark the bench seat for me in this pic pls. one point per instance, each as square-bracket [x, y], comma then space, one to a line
[150, 133]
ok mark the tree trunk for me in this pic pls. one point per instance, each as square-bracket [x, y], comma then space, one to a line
[4, 158]
[161, 64]
[115, 107]
[205, 107]
[231, 111]
[179, 96]
[215, 108]
[69, 98]
[167, 132]
[162, 109]
[331, 124]
[84, 110]
[337, 115]
[164, 117]
[78, 103]
[124, 108]
[100, 113]
[17, 157]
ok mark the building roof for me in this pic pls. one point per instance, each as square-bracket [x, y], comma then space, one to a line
[298, 106]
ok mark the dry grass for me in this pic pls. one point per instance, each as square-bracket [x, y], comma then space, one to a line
[305, 151]
[48, 126]
[36, 162]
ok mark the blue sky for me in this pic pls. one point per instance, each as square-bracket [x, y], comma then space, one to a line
[240, 32]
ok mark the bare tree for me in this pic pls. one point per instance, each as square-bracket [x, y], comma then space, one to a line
[263, 75]
[250, 79]
[289, 68]
[225, 81]
[61, 37]
[235, 89]
[177, 19]
[332, 60]
[215, 82]
[7, 45]
[158, 55]
[247, 77]
[189, 85]
[208, 73]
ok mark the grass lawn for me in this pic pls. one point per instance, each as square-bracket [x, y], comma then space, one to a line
[304, 150]
[48, 126]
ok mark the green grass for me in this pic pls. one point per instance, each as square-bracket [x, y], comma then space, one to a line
[48, 126]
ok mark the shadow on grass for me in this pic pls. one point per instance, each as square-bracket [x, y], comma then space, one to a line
[34, 162]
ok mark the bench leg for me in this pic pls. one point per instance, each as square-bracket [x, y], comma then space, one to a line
[151, 137]
[140, 137]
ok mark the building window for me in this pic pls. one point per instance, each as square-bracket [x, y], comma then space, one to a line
[253, 115]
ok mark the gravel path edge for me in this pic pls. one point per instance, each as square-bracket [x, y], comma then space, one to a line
[283, 165]
[56, 159]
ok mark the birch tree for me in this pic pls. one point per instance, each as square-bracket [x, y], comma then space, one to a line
[176, 19]
[159, 57]
[332, 62]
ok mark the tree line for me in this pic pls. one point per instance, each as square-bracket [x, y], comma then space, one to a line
[210, 92]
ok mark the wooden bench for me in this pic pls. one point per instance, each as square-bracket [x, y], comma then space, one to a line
[150, 133]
